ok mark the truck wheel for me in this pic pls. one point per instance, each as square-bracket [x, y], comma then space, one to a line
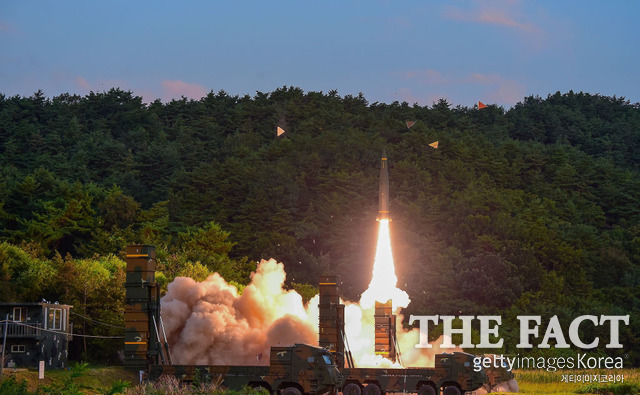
[291, 391]
[351, 389]
[372, 389]
[451, 390]
[426, 389]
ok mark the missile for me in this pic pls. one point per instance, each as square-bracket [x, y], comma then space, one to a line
[383, 192]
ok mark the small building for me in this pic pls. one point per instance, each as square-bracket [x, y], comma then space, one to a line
[35, 332]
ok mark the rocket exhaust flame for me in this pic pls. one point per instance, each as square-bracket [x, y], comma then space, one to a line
[210, 323]
[383, 284]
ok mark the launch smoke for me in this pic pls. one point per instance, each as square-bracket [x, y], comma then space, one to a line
[210, 323]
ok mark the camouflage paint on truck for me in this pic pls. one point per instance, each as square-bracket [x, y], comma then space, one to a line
[453, 373]
[303, 369]
[295, 370]
[496, 375]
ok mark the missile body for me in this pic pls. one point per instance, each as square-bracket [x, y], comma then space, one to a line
[383, 197]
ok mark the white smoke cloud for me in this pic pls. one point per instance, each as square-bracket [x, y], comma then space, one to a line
[209, 323]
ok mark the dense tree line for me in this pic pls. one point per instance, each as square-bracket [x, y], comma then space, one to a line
[528, 210]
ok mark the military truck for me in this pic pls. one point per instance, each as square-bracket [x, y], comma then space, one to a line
[295, 370]
[304, 369]
[453, 374]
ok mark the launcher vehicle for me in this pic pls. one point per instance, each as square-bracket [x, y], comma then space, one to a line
[303, 369]
[295, 370]
[299, 369]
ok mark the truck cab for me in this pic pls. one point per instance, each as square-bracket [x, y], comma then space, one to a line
[302, 369]
[459, 373]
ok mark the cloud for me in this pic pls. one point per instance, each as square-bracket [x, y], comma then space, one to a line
[413, 96]
[82, 83]
[94, 86]
[508, 92]
[97, 86]
[490, 86]
[85, 86]
[399, 21]
[4, 27]
[426, 76]
[404, 94]
[484, 79]
[501, 13]
[176, 88]
[171, 89]
[499, 17]
[504, 90]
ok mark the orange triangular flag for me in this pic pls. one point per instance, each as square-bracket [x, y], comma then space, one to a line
[481, 105]
[434, 145]
[410, 124]
[280, 131]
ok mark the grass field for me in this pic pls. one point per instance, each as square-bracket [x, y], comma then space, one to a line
[110, 380]
[91, 380]
[540, 382]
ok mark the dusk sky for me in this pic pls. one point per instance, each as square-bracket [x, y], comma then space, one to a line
[495, 51]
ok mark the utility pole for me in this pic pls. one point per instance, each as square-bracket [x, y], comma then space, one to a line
[4, 342]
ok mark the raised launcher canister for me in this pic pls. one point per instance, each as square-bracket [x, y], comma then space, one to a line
[143, 326]
[385, 330]
[331, 319]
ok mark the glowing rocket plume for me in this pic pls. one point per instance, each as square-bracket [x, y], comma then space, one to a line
[383, 284]
[209, 323]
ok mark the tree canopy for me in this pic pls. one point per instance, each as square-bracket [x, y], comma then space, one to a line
[534, 209]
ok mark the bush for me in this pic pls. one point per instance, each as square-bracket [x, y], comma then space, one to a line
[10, 386]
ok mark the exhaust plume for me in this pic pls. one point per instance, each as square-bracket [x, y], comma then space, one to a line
[209, 323]
[383, 283]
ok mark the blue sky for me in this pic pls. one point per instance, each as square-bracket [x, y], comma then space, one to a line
[495, 51]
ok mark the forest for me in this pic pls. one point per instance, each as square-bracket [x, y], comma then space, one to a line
[531, 210]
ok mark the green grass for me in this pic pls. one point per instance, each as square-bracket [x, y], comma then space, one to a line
[90, 380]
[83, 379]
[541, 382]
[167, 385]
[115, 380]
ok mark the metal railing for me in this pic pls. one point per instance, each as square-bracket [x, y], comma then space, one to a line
[19, 329]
